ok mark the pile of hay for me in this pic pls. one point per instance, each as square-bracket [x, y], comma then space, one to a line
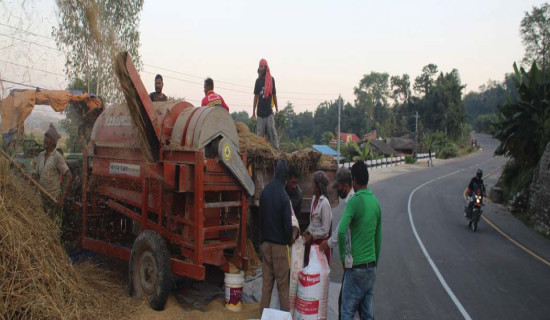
[37, 279]
[260, 152]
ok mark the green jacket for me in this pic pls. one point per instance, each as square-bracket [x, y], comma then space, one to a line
[363, 217]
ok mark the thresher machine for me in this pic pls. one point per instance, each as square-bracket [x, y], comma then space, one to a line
[165, 188]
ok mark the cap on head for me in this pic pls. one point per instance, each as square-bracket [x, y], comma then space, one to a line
[343, 175]
[52, 133]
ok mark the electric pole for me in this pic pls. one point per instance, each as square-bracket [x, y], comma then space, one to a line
[338, 135]
[416, 131]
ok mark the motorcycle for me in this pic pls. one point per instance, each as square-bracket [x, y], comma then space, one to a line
[476, 211]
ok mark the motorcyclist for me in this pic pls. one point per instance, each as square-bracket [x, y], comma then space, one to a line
[476, 186]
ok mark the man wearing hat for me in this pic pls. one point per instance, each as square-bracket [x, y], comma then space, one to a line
[343, 185]
[50, 168]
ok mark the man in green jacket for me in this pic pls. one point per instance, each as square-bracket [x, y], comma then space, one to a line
[363, 216]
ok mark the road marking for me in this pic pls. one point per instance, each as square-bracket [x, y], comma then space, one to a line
[515, 242]
[427, 255]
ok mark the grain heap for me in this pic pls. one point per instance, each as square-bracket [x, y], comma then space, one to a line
[37, 279]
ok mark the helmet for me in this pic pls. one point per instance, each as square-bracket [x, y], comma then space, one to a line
[479, 173]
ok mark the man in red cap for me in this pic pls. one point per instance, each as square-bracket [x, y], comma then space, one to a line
[50, 168]
[265, 97]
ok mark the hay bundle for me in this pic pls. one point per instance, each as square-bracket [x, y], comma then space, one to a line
[257, 149]
[37, 279]
[260, 153]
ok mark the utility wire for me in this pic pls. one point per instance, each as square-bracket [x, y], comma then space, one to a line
[173, 71]
[26, 31]
[22, 66]
[231, 83]
[20, 84]
[34, 43]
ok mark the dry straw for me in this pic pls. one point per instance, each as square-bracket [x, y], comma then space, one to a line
[260, 153]
[37, 279]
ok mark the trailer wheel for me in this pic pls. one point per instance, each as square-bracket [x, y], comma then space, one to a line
[149, 269]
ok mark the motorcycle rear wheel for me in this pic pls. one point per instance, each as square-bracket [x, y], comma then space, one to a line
[473, 225]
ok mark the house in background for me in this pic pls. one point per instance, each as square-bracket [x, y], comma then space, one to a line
[402, 142]
[370, 136]
[345, 138]
[324, 149]
[381, 148]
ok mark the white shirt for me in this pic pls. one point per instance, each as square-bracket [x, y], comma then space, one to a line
[320, 218]
[338, 212]
[51, 171]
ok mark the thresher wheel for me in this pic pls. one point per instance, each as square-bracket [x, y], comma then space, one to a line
[150, 269]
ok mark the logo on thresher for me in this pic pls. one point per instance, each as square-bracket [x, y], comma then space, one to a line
[226, 152]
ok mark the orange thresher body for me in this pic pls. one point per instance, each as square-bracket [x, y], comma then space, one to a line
[191, 189]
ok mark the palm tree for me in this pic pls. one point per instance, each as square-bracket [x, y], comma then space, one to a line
[364, 154]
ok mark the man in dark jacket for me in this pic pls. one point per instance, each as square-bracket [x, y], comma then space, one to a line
[276, 226]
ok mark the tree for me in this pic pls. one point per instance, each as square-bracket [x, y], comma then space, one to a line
[362, 155]
[535, 35]
[241, 116]
[401, 88]
[328, 136]
[373, 91]
[425, 80]
[376, 86]
[524, 126]
[91, 33]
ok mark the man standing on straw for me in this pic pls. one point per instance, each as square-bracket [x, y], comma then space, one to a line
[265, 97]
[50, 168]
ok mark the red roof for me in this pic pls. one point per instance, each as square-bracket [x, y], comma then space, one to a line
[347, 137]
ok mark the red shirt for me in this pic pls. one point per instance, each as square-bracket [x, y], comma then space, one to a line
[213, 99]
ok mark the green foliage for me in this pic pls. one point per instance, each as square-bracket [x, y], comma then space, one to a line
[515, 178]
[443, 147]
[347, 151]
[401, 88]
[486, 123]
[328, 136]
[523, 127]
[425, 81]
[241, 116]
[535, 35]
[410, 159]
[361, 154]
[90, 33]
[449, 150]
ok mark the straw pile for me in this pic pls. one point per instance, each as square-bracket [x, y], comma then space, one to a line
[37, 279]
[259, 152]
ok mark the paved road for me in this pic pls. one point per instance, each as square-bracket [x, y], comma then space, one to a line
[480, 275]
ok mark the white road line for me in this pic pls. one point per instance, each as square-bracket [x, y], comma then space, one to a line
[427, 255]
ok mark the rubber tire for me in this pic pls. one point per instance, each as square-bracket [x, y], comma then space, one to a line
[153, 247]
[473, 225]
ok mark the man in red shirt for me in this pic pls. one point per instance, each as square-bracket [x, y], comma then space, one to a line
[211, 98]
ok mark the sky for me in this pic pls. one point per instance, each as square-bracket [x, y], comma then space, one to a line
[316, 50]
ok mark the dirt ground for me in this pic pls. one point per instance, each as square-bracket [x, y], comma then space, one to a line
[216, 311]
